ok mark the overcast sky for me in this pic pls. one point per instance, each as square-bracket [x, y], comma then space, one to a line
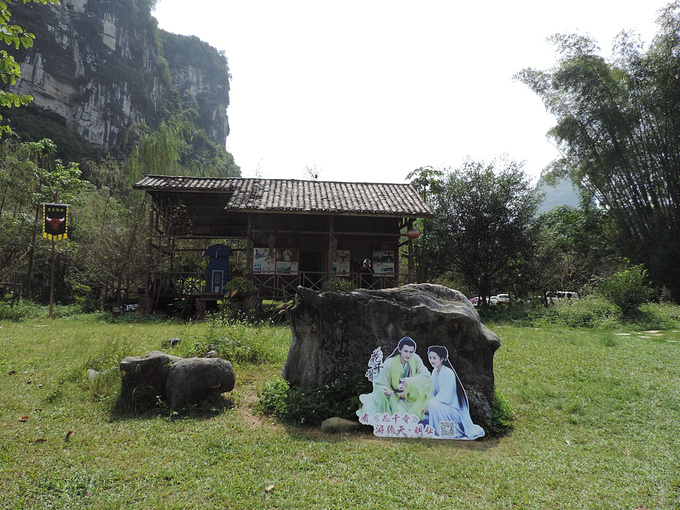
[369, 90]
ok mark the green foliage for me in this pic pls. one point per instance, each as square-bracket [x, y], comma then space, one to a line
[13, 36]
[617, 126]
[29, 125]
[481, 225]
[22, 310]
[501, 416]
[239, 287]
[238, 342]
[293, 405]
[584, 313]
[25, 310]
[338, 285]
[664, 316]
[571, 249]
[627, 289]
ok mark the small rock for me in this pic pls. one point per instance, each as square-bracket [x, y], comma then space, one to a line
[191, 380]
[171, 342]
[338, 425]
[144, 376]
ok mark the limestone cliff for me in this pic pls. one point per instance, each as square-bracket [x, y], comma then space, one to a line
[104, 69]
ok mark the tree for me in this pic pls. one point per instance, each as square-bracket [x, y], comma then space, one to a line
[427, 182]
[618, 124]
[10, 72]
[572, 249]
[627, 289]
[29, 176]
[481, 223]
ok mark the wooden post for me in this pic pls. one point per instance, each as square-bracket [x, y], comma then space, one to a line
[331, 244]
[54, 243]
[249, 248]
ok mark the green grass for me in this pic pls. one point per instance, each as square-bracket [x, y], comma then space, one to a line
[595, 427]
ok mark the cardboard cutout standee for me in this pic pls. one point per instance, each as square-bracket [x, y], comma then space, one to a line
[409, 401]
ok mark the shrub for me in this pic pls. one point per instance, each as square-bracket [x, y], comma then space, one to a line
[338, 285]
[627, 289]
[293, 405]
[239, 287]
[22, 310]
[589, 312]
[239, 342]
[501, 417]
[659, 316]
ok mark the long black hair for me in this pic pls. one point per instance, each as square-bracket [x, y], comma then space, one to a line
[443, 353]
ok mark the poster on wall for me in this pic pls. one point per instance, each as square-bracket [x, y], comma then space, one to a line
[341, 262]
[287, 261]
[410, 399]
[383, 262]
[263, 261]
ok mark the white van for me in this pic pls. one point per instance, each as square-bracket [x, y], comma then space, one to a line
[558, 296]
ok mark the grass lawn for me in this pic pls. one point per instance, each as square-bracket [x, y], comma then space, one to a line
[596, 426]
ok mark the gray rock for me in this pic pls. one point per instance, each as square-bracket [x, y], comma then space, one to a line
[93, 375]
[191, 380]
[338, 425]
[334, 335]
[144, 377]
[171, 342]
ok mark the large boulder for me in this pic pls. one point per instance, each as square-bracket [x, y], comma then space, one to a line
[334, 335]
[144, 377]
[191, 380]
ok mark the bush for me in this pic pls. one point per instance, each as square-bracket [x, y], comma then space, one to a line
[501, 417]
[239, 342]
[239, 287]
[338, 285]
[589, 312]
[627, 289]
[293, 405]
[20, 311]
[659, 316]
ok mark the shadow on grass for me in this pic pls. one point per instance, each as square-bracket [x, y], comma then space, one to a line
[365, 433]
[126, 408]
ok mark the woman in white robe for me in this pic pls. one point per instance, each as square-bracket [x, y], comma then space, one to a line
[449, 407]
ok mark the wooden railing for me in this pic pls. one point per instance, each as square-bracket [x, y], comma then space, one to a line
[271, 286]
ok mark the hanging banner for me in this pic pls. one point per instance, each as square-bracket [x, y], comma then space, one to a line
[55, 221]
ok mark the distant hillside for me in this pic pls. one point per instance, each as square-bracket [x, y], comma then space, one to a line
[564, 193]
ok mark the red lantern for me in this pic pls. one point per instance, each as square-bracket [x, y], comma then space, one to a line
[413, 233]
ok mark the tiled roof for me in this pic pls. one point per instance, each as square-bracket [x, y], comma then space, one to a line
[298, 196]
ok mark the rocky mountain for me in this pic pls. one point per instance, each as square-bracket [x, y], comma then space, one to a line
[103, 69]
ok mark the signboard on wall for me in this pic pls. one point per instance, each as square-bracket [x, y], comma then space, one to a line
[341, 262]
[264, 261]
[287, 261]
[383, 262]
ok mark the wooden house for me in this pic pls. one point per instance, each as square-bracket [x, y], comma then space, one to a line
[290, 232]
